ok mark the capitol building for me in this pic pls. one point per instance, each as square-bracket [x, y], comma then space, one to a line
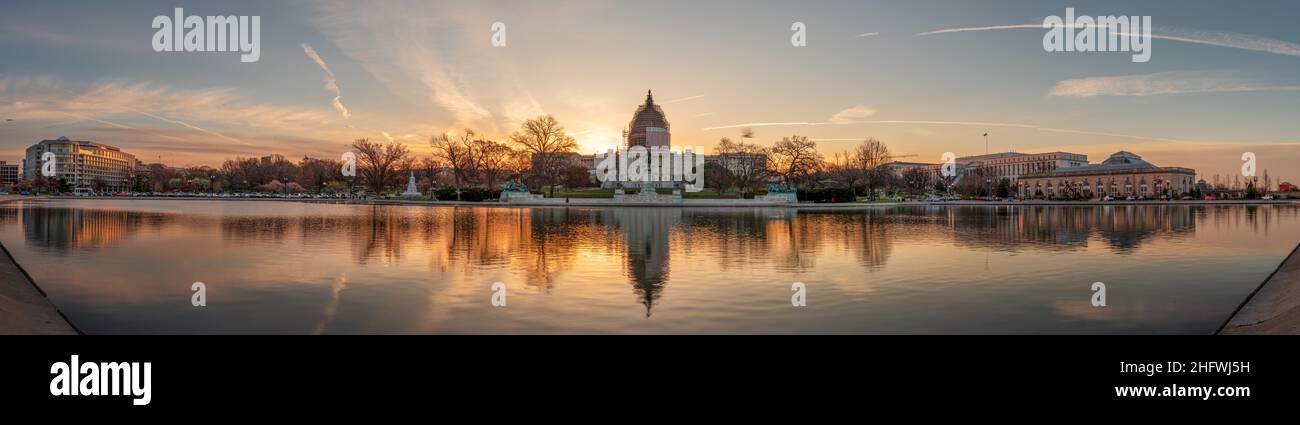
[648, 129]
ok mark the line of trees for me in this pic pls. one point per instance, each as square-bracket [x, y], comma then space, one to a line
[744, 167]
[542, 155]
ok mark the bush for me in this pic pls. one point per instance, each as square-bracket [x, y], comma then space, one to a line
[823, 195]
[472, 194]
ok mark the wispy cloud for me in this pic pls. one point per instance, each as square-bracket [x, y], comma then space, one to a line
[331, 83]
[1163, 83]
[1211, 38]
[210, 120]
[855, 113]
[867, 34]
[698, 96]
[428, 52]
[703, 114]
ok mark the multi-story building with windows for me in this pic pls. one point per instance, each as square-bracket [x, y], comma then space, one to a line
[1122, 175]
[83, 164]
[9, 174]
[1011, 165]
[998, 166]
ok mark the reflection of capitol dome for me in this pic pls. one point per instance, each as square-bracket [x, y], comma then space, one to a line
[646, 234]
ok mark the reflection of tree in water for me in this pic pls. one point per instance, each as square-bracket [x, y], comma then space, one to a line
[244, 228]
[737, 238]
[75, 228]
[1253, 218]
[378, 232]
[867, 235]
[792, 239]
[551, 244]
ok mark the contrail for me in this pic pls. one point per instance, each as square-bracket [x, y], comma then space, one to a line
[83, 117]
[762, 124]
[989, 28]
[331, 83]
[194, 127]
[683, 99]
[125, 127]
[957, 123]
[1209, 38]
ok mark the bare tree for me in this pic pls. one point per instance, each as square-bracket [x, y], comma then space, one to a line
[745, 165]
[544, 138]
[717, 177]
[975, 182]
[458, 153]
[379, 164]
[314, 174]
[795, 157]
[916, 180]
[518, 163]
[493, 159]
[871, 157]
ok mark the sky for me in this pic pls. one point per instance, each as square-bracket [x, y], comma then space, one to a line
[925, 77]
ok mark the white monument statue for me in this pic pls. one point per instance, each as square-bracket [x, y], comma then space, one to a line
[411, 191]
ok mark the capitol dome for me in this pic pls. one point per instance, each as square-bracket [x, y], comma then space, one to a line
[647, 116]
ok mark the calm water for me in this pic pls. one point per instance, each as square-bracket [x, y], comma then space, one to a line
[126, 266]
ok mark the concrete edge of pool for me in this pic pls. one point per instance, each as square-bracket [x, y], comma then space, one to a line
[1274, 307]
[24, 309]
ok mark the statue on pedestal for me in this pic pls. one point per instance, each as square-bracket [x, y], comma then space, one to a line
[411, 191]
[513, 190]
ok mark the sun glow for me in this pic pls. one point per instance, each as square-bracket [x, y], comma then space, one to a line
[597, 139]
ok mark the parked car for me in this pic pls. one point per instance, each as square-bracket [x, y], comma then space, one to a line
[1268, 197]
[1209, 198]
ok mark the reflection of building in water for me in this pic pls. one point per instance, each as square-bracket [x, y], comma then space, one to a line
[1120, 226]
[646, 232]
[9, 214]
[71, 228]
